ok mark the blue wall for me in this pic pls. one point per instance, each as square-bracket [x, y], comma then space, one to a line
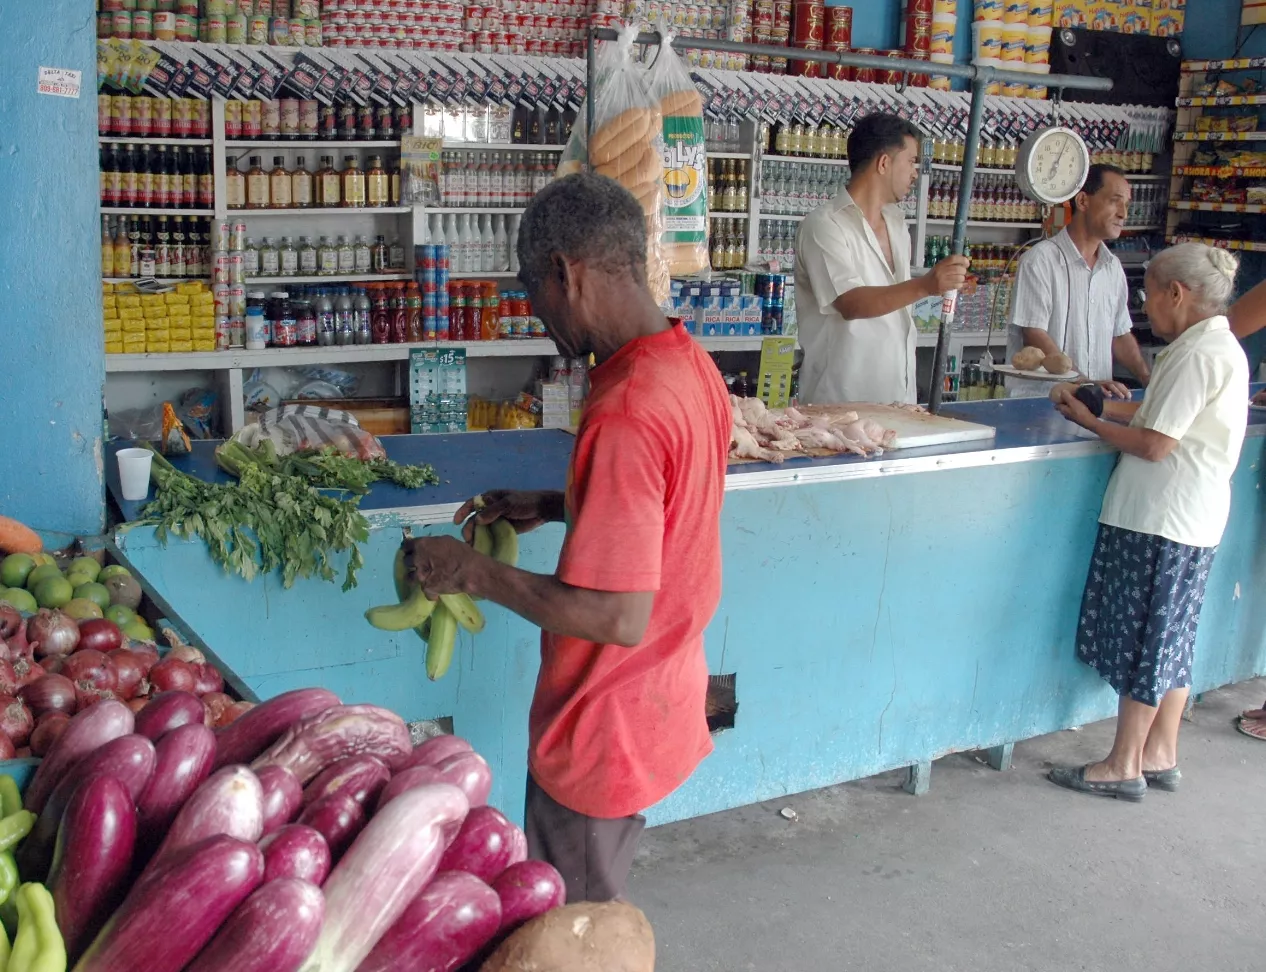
[50, 338]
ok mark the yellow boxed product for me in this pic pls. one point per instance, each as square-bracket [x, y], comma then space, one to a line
[110, 314]
[109, 300]
[170, 299]
[204, 345]
[157, 347]
[128, 300]
[181, 334]
[133, 347]
[1105, 16]
[107, 288]
[152, 300]
[132, 326]
[114, 347]
[192, 287]
[1167, 23]
[124, 288]
[181, 346]
[131, 314]
[180, 314]
[154, 313]
[204, 320]
[159, 333]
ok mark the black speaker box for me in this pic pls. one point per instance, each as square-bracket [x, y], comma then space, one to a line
[1144, 69]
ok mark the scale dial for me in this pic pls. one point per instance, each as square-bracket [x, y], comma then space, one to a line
[1052, 165]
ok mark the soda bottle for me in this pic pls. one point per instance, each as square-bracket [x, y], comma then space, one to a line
[380, 317]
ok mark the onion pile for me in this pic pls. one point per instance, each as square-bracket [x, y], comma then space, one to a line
[52, 666]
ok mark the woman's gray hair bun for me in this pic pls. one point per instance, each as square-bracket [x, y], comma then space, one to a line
[1207, 271]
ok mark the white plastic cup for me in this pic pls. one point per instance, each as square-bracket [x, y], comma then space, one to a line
[134, 472]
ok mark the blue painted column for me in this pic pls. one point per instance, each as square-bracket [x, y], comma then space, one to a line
[51, 347]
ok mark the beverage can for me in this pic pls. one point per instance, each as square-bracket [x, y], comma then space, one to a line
[289, 112]
[236, 264]
[237, 300]
[220, 273]
[257, 30]
[232, 119]
[122, 28]
[271, 119]
[237, 240]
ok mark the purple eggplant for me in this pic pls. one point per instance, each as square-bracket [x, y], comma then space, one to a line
[296, 850]
[312, 744]
[486, 845]
[229, 801]
[528, 889]
[93, 727]
[176, 907]
[445, 926]
[167, 711]
[271, 931]
[257, 729]
[435, 750]
[93, 860]
[361, 776]
[338, 818]
[282, 796]
[184, 757]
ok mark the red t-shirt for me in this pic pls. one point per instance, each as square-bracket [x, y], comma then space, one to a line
[612, 729]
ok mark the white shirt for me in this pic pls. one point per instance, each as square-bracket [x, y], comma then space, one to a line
[1081, 309]
[852, 361]
[1198, 395]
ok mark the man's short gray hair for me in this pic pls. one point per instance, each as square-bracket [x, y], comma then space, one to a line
[584, 217]
[1207, 271]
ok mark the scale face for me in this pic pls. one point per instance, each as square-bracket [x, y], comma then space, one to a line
[1051, 165]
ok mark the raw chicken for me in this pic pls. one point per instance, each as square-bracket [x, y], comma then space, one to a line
[878, 433]
[824, 438]
[743, 445]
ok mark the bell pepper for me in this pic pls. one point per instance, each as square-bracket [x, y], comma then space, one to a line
[14, 827]
[38, 946]
[8, 904]
[10, 797]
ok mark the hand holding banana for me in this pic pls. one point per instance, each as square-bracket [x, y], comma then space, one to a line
[429, 576]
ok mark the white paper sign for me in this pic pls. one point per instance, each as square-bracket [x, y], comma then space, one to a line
[60, 82]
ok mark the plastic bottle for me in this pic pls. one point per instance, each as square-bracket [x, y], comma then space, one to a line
[465, 244]
[413, 302]
[380, 316]
[256, 332]
[399, 315]
[364, 317]
[326, 323]
[344, 319]
[487, 246]
[514, 244]
[500, 245]
[380, 256]
[452, 242]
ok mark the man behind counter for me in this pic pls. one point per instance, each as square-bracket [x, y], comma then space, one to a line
[1071, 294]
[617, 719]
[853, 283]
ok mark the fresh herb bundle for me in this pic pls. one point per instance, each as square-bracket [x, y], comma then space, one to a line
[324, 468]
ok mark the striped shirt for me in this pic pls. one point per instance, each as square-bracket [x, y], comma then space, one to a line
[1081, 309]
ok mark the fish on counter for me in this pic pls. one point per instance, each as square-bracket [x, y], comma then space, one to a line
[770, 435]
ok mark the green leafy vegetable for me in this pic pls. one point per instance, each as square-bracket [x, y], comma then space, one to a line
[325, 468]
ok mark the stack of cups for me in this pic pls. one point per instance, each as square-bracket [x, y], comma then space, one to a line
[987, 39]
[1037, 43]
[988, 10]
[941, 49]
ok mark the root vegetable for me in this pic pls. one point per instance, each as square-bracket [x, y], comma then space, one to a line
[52, 632]
[129, 671]
[50, 693]
[173, 675]
[100, 634]
[608, 937]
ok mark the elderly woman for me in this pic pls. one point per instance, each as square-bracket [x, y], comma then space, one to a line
[1162, 519]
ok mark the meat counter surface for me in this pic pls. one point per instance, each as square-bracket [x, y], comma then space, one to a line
[876, 613]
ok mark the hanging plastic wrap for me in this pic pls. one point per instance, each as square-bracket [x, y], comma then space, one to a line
[627, 144]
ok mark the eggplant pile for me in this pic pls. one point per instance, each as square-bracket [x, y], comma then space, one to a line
[306, 835]
[53, 666]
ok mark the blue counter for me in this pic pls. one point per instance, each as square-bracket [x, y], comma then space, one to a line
[876, 613]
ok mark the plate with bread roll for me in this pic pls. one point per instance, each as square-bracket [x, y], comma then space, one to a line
[1037, 365]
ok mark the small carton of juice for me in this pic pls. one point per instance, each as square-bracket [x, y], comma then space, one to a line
[1167, 23]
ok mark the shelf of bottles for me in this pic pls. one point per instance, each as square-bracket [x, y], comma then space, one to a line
[795, 188]
[995, 199]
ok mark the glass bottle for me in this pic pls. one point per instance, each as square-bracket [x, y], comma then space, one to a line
[327, 258]
[327, 183]
[500, 245]
[269, 258]
[483, 182]
[395, 254]
[346, 256]
[362, 258]
[301, 185]
[234, 187]
[288, 257]
[353, 183]
[394, 174]
[380, 257]
[250, 259]
[279, 184]
[307, 257]
[257, 195]
[377, 183]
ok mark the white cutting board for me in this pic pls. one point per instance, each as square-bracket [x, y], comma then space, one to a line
[914, 430]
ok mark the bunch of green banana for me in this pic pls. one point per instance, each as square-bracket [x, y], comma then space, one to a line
[436, 622]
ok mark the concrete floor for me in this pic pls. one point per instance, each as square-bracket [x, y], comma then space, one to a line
[989, 872]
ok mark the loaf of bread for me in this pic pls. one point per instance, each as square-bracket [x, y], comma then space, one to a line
[1028, 359]
[623, 133]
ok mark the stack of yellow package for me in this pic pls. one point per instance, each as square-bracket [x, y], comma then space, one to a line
[137, 323]
[201, 314]
[124, 320]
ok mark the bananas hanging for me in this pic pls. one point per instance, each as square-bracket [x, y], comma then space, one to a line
[436, 622]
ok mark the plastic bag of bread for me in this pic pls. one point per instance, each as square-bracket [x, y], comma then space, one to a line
[626, 144]
[685, 236]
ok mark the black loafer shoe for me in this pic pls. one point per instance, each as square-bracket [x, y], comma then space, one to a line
[1074, 778]
[1163, 779]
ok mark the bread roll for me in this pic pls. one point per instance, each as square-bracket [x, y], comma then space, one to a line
[1028, 359]
[619, 135]
[685, 259]
[1057, 363]
[683, 103]
[634, 167]
[570, 167]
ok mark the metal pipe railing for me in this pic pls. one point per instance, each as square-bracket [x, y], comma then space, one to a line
[980, 77]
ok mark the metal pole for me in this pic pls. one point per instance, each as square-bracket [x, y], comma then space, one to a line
[950, 303]
[589, 86]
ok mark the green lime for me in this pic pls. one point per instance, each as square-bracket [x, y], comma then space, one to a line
[42, 573]
[137, 630]
[114, 570]
[42, 558]
[120, 614]
[20, 599]
[81, 609]
[79, 580]
[96, 593]
[14, 569]
[53, 592]
[84, 565]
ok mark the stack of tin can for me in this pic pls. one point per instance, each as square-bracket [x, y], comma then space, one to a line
[771, 289]
[808, 31]
[771, 24]
[432, 268]
[839, 38]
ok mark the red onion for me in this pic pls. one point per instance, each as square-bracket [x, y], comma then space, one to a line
[187, 653]
[93, 674]
[172, 673]
[4, 650]
[138, 703]
[47, 729]
[50, 693]
[27, 670]
[207, 678]
[18, 644]
[8, 679]
[130, 670]
[7, 749]
[216, 703]
[52, 633]
[234, 712]
[100, 634]
[16, 720]
[146, 651]
[10, 620]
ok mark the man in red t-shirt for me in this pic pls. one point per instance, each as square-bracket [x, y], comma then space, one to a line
[617, 721]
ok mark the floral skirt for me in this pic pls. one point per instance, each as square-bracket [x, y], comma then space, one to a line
[1140, 610]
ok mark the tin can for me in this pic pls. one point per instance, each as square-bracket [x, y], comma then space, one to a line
[237, 300]
[289, 113]
[220, 276]
[918, 32]
[808, 22]
[232, 119]
[865, 75]
[165, 25]
[840, 29]
[257, 30]
[782, 13]
[122, 27]
[217, 29]
[253, 119]
[186, 27]
[237, 267]
[271, 119]
[309, 119]
[312, 33]
[235, 28]
[279, 31]
[121, 115]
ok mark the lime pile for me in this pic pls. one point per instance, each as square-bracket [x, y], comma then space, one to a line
[84, 590]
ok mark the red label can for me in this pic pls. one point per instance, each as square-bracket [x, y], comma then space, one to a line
[840, 30]
[782, 13]
[918, 32]
[865, 75]
[808, 23]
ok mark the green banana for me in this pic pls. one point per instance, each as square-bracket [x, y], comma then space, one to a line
[409, 613]
[443, 637]
[483, 542]
[463, 609]
[505, 542]
[400, 574]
